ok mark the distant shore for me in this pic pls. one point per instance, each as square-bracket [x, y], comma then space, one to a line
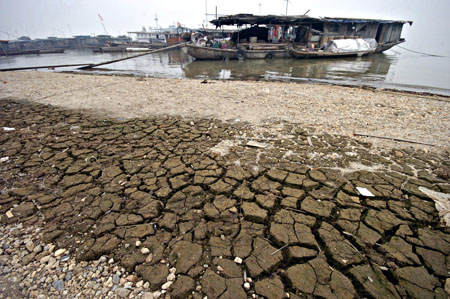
[324, 108]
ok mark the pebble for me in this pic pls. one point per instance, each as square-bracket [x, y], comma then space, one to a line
[102, 259]
[149, 258]
[45, 259]
[145, 250]
[58, 285]
[29, 246]
[138, 243]
[166, 285]
[157, 294]
[116, 279]
[171, 277]
[139, 284]
[238, 260]
[246, 286]
[123, 292]
[60, 252]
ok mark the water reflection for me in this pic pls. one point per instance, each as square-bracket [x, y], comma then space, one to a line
[392, 70]
[371, 68]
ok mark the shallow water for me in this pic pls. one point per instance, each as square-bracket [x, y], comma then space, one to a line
[396, 68]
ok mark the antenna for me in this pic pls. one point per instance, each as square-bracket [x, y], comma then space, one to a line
[259, 8]
[287, 2]
[156, 20]
[206, 12]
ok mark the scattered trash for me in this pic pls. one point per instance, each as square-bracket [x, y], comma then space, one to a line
[223, 148]
[257, 144]
[442, 204]
[8, 129]
[364, 192]
[9, 214]
[4, 159]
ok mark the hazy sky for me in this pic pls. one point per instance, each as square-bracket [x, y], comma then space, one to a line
[62, 18]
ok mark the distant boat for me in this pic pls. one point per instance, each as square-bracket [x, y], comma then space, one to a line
[297, 36]
[27, 52]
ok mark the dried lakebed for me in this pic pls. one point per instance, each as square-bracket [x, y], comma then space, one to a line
[176, 208]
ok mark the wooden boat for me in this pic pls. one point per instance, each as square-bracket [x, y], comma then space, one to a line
[207, 53]
[301, 53]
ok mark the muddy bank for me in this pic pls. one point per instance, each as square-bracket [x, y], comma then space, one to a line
[322, 108]
[192, 197]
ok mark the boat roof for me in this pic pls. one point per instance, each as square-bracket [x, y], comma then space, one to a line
[243, 19]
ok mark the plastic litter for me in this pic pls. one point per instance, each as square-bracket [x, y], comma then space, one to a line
[364, 192]
[8, 129]
[441, 202]
[257, 144]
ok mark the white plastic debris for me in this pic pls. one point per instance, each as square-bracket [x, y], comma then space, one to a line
[441, 202]
[364, 192]
[4, 159]
[8, 129]
[257, 144]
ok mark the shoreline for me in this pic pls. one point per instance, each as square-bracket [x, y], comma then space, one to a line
[322, 108]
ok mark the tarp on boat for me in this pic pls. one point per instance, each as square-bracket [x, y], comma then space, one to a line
[351, 45]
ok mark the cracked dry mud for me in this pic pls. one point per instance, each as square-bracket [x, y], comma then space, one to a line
[196, 196]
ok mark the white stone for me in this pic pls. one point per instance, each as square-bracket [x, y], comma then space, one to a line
[246, 286]
[238, 260]
[173, 270]
[156, 294]
[60, 252]
[166, 285]
[145, 250]
[249, 280]
[146, 285]
[138, 243]
[139, 284]
[171, 277]
[219, 268]
[111, 260]
[9, 214]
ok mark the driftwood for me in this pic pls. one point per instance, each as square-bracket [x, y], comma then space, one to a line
[131, 57]
[42, 67]
[393, 138]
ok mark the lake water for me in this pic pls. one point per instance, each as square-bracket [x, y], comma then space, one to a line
[396, 68]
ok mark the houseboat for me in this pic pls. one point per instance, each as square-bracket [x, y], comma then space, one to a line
[297, 36]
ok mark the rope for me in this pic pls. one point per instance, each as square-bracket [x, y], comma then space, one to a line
[432, 55]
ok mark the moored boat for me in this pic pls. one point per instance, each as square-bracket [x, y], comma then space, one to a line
[268, 37]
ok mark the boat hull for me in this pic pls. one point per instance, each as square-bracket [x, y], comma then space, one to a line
[303, 54]
[204, 53]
